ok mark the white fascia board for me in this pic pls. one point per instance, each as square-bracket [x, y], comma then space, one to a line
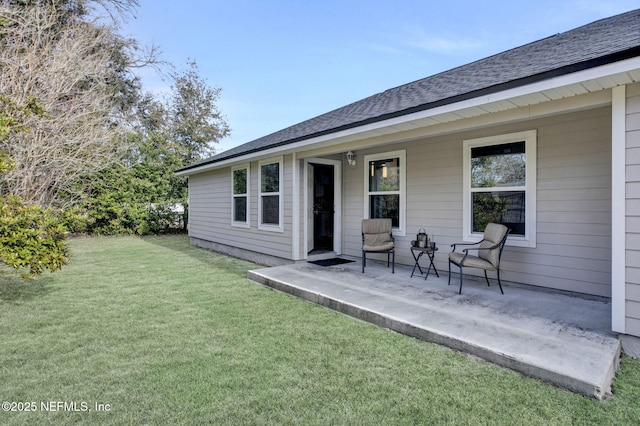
[553, 83]
[376, 128]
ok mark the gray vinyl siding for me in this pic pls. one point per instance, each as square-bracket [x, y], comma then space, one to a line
[632, 290]
[573, 198]
[210, 212]
[573, 201]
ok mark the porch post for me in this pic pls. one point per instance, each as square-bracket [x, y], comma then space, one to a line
[295, 208]
[618, 208]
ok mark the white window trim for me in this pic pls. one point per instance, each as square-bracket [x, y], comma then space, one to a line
[269, 227]
[245, 224]
[402, 155]
[530, 139]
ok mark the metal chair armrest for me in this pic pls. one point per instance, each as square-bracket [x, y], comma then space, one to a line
[493, 247]
[453, 246]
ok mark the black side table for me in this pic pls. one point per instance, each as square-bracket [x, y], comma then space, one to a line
[430, 254]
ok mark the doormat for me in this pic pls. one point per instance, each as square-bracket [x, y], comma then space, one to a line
[331, 262]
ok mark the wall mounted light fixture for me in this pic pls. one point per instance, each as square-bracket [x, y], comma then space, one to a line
[351, 159]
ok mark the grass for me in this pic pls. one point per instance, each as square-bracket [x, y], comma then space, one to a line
[169, 334]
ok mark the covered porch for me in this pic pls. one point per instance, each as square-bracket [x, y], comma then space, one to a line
[554, 336]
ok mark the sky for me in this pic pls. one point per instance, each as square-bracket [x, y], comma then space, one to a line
[280, 62]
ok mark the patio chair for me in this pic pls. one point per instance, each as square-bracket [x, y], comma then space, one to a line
[377, 237]
[489, 252]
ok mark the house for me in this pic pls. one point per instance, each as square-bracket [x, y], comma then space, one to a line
[544, 137]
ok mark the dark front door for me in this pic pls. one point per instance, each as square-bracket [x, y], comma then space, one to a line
[323, 205]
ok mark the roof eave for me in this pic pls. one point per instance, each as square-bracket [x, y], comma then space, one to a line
[577, 69]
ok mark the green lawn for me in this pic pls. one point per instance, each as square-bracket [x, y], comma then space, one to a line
[168, 334]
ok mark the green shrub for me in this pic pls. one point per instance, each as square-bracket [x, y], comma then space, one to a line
[31, 237]
[105, 214]
[74, 220]
[123, 213]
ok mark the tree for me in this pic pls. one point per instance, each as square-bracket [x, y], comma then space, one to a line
[12, 119]
[78, 8]
[30, 236]
[79, 71]
[136, 196]
[139, 194]
[101, 143]
[64, 98]
[196, 122]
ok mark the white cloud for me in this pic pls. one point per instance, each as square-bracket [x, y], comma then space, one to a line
[417, 37]
[443, 45]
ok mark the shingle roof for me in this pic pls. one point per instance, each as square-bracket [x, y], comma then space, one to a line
[598, 43]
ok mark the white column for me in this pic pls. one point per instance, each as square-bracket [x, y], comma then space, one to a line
[295, 208]
[618, 210]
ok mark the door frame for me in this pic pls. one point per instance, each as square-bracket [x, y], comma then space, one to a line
[337, 202]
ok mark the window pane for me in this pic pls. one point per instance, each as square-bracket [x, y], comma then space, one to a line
[240, 209]
[498, 165]
[270, 178]
[271, 209]
[384, 175]
[385, 206]
[240, 181]
[507, 208]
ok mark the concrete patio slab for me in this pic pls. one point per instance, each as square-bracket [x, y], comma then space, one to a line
[552, 336]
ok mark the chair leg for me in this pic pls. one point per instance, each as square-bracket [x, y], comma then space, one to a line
[460, 291]
[364, 260]
[393, 262]
[449, 283]
[486, 278]
[499, 283]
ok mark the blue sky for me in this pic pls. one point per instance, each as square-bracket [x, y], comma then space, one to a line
[279, 62]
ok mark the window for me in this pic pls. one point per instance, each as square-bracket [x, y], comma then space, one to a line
[384, 188]
[240, 196]
[270, 195]
[500, 186]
